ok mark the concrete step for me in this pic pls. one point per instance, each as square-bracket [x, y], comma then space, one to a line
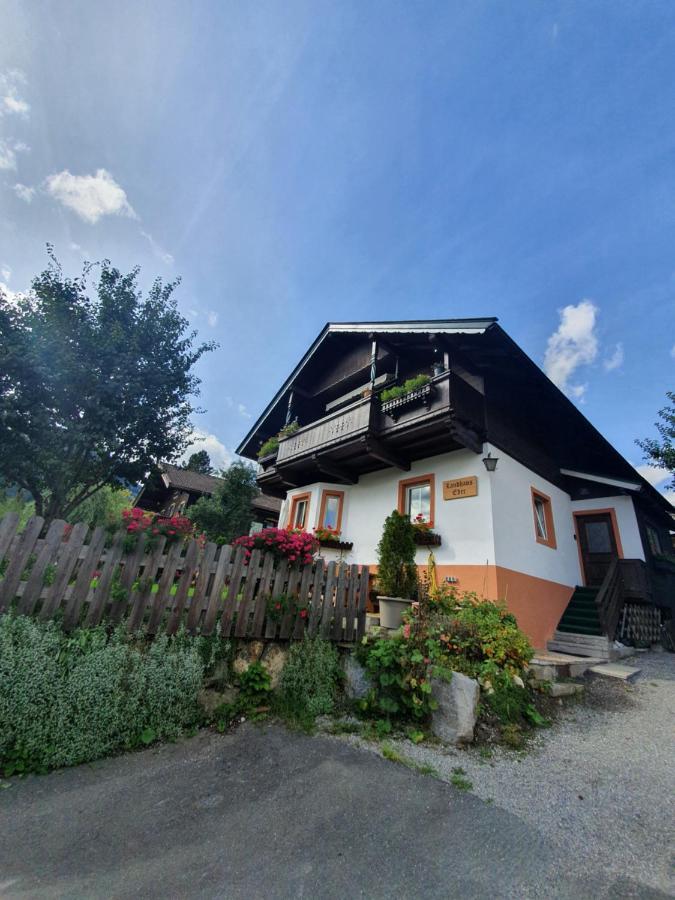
[612, 670]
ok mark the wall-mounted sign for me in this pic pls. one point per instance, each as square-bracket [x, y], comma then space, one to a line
[460, 487]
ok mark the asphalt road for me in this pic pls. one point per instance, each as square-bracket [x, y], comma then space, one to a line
[265, 813]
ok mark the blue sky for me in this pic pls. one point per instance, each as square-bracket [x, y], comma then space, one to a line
[303, 162]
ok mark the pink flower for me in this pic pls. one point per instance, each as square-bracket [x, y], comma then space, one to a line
[406, 631]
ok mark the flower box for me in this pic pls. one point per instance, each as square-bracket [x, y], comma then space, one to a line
[426, 538]
[333, 544]
[421, 396]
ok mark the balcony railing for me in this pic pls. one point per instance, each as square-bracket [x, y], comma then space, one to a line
[336, 428]
[448, 396]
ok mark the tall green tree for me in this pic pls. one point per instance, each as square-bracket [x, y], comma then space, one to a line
[661, 452]
[200, 462]
[227, 514]
[96, 383]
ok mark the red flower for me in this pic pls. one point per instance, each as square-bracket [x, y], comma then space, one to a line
[303, 613]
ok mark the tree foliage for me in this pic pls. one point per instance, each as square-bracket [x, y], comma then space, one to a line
[103, 508]
[661, 452]
[397, 572]
[200, 462]
[227, 514]
[96, 383]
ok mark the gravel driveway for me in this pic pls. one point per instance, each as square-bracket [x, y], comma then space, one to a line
[599, 785]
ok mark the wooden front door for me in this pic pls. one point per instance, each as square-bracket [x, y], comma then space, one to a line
[598, 546]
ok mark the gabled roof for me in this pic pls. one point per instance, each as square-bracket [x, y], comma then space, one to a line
[198, 483]
[187, 480]
[490, 348]
[416, 326]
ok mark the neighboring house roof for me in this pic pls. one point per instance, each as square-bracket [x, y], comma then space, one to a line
[197, 483]
[269, 504]
[187, 480]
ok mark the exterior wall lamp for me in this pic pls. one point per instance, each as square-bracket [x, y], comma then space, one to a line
[490, 462]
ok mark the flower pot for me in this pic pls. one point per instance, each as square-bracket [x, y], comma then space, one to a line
[391, 611]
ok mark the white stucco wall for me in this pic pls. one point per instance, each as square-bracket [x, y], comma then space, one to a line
[515, 539]
[465, 525]
[496, 527]
[626, 521]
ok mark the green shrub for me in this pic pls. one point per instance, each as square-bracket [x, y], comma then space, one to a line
[412, 384]
[397, 572]
[446, 633]
[271, 445]
[68, 699]
[309, 680]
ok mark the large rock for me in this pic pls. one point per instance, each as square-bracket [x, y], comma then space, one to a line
[357, 682]
[274, 659]
[454, 720]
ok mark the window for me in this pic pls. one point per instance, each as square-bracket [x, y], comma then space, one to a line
[654, 541]
[416, 498]
[331, 510]
[299, 511]
[544, 531]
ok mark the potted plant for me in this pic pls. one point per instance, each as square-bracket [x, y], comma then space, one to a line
[397, 572]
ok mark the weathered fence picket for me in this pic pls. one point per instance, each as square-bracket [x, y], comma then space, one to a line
[73, 576]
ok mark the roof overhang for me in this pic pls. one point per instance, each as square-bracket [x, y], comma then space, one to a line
[602, 479]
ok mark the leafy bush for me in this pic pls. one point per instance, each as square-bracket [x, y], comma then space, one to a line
[68, 699]
[401, 677]
[397, 572]
[412, 384]
[309, 680]
[444, 633]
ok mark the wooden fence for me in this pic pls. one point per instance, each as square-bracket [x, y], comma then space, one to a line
[86, 579]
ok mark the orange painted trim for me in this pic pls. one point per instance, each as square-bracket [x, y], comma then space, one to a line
[325, 494]
[611, 512]
[297, 499]
[549, 541]
[413, 482]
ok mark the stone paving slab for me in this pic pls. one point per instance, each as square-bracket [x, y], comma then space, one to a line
[613, 670]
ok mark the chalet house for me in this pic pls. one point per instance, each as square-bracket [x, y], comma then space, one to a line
[175, 489]
[522, 498]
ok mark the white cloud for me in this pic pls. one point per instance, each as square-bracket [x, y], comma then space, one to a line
[15, 298]
[6, 272]
[8, 153]
[573, 344]
[10, 101]
[614, 361]
[219, 455]
[90, 196]
[653, 474]
[672, 351]
[157, 249]
[243, 412]
[23, 192]
[670, 496]
[212, 318]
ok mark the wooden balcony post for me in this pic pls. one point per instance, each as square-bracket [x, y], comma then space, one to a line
[289, 408]
[373, 365]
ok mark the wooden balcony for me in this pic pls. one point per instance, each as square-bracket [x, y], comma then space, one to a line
[367, 435]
